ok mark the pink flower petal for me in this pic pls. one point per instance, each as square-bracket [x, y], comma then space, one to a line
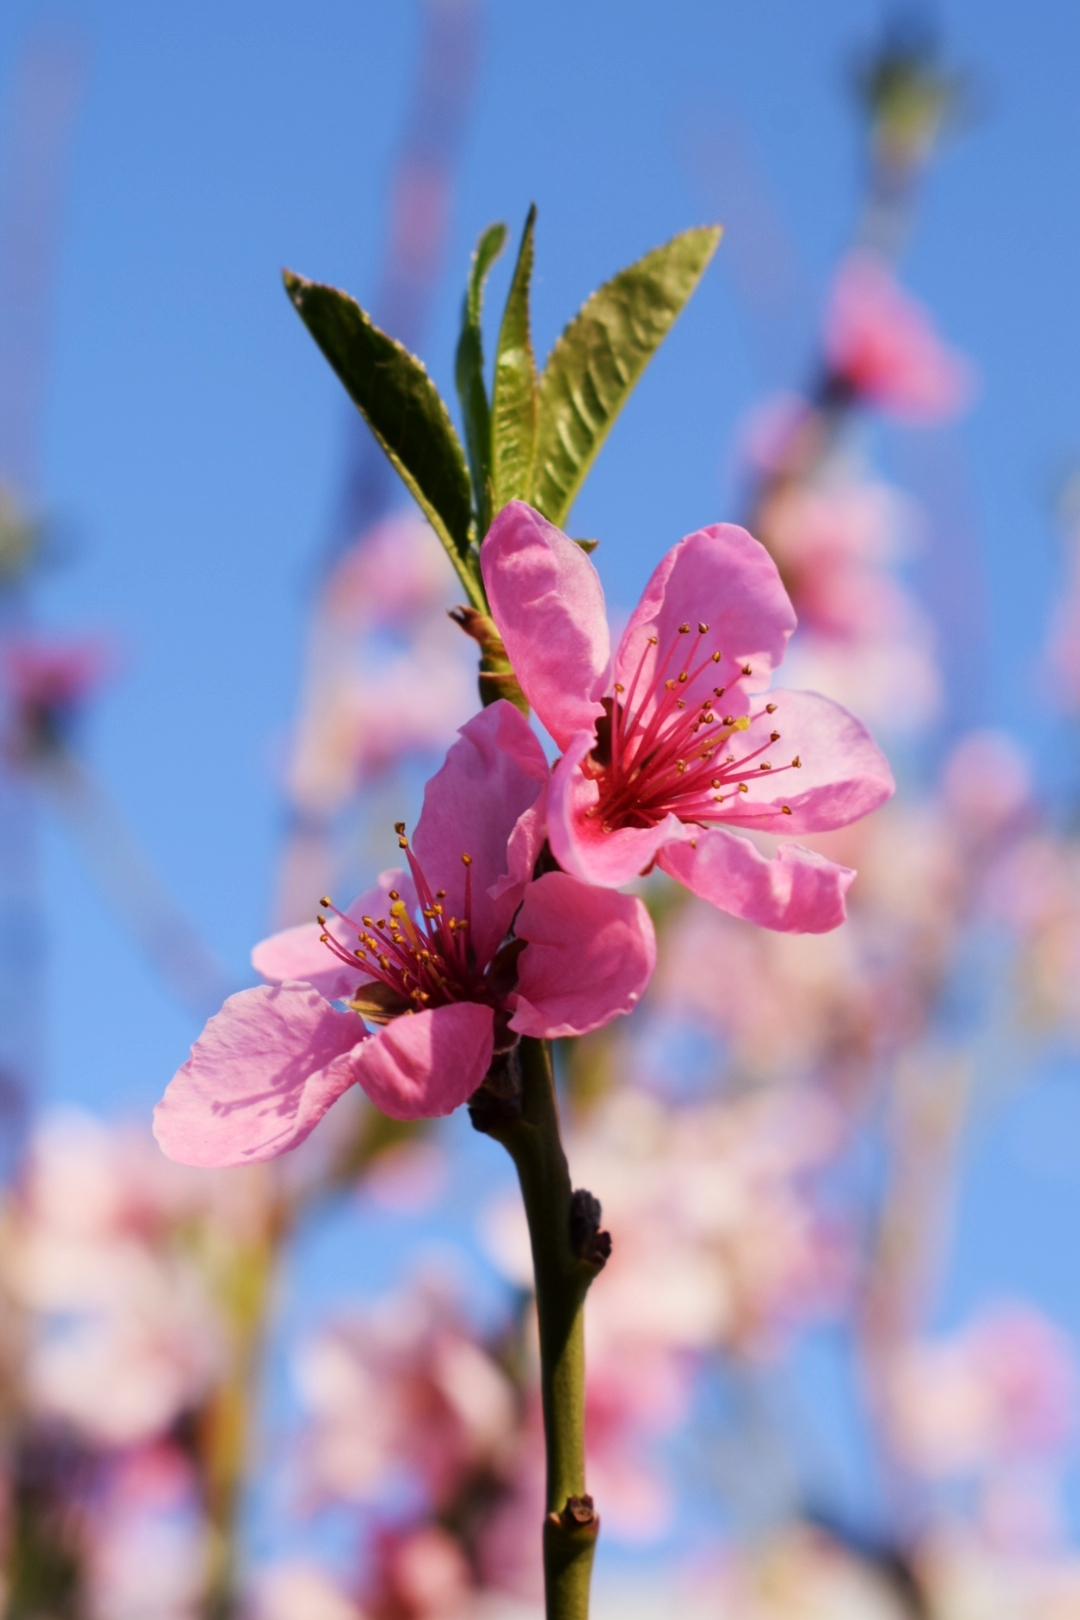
[298, 953]
[260, 1077]
[548, 603]
[842, 773]
[723, 578]
[798, 892]
[578, 841]
[590, 955]
[480, 804]
[883, 344]
[427, 1064]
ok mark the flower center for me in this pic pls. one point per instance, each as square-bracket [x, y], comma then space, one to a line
[418, 963]
[665, 752]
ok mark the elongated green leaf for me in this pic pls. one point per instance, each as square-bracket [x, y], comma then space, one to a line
[404, 410]
[469, 373]
[601, 355]
[514, 414]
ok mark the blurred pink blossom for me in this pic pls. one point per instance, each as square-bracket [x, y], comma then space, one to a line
[47, 682]
[880, 343]
[402, 1392]
[1001, 1389]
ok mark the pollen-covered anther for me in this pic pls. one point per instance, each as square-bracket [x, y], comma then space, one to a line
[654, 641]
[743, 788]
[684, 677]
[684, 629]
[785, 809]
[703, 629]
[770, 708]
[326, 901]
[797, 762]
[620, 688]
[764, 766]
[466, 860]
[680, 765]
[716, 657]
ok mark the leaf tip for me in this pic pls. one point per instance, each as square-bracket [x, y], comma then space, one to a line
[295, 285]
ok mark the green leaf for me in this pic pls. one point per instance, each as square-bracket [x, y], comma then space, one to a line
[469, 373]
[514, 409]
[601, 355]
[404, 410]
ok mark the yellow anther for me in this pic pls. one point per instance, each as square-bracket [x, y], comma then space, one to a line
[466, 860]
[743, 788]
[715, 782]
[370, 921]
[680, 765]
[394, 895]
[684, 629]
[403, 843]
[619, 687]
[324, 939]
[653, 640]
[685, 676]
[743, 723]
[669, 684]
[785, 809]
[325, 901]
[716, 657]
[321, 920]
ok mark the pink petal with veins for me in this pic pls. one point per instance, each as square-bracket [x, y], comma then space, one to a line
[548, 603]
[842, 773]
[485, 793]
[427, 1064]
[798, 892]
[590, 955]
[724, 578]
[260, 1077]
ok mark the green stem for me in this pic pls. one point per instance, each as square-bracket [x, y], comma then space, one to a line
[562, 1281]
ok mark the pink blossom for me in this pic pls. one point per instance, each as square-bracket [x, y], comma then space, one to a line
[269, 1065]
[46, 683]
[674, 735]
[1002, 1389]
[881, 345]
[402, 1394]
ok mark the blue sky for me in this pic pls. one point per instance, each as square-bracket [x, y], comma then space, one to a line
[192, 434]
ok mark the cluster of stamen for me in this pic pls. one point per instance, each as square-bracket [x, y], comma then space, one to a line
[668, 755]
[427, 962]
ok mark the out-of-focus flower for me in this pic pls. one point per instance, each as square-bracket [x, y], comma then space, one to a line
[881, 346]
[673, 738]
[394, 574]
[124, 1335]
[390, 678]
[863, 638]
[46, 684]
[445, 992]
[402, 1394]
[299, 1591]
[1002, 1389]
[147, 1551]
